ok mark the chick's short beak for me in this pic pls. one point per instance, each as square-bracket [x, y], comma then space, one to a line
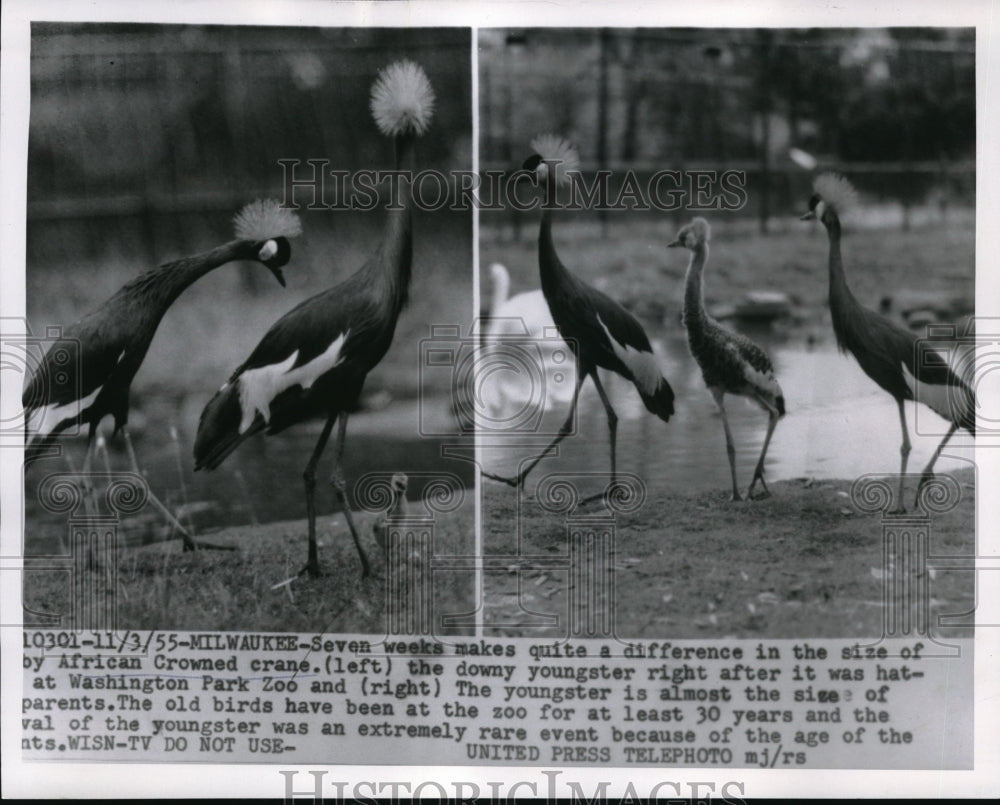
[673, 244]
[809, 216]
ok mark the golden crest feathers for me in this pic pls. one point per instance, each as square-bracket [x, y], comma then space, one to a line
[402, 99]
[264, 219]
[557, 150]
[836, 192]
[701, 229]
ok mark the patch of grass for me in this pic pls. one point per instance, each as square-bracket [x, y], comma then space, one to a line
[164, 589]
[632, 264]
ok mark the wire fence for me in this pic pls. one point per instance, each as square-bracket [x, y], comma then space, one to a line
[147, 133]
[893, 110]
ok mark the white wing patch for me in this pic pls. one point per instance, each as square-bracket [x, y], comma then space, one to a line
[42, 421]
[258, 387]
[941, 399]
[764, 382]
[642, 365]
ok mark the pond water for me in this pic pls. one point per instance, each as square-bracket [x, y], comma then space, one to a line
[261, 481]
[839, 424]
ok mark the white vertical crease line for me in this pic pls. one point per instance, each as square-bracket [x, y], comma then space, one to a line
[477, 450]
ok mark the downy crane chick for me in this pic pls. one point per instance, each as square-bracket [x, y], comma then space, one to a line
[730, 363]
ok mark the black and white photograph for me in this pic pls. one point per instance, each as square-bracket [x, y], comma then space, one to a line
[493, 400]
[199, 232]
[747, 252]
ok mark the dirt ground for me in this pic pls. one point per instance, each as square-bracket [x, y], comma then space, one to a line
[803, 563]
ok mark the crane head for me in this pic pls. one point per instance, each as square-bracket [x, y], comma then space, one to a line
[832, 192]
[274, 253]
[553, 153]
[692, 235]
[816, 206]
[268, 226]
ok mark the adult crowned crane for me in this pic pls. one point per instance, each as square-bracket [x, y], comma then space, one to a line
[886, 351]
[314, 360]
[599, 330]
[90, 375]
[730, 363]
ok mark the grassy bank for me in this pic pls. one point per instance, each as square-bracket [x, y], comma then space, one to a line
[162, 588]
[802, 563]
[632, 264]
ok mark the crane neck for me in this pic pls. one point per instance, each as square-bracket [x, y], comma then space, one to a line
[161, 286]
[553, 272]
[694, 301]
[838, 281]
[842, 301]
[390, 274]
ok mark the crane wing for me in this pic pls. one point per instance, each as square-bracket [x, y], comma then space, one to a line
[757, 367]
[312, 360]
[933, 382]
[74, 371]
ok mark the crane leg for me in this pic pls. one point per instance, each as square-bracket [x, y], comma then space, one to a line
[86, 487]
[612, 421]
[309, 476]
[341, 488]
[904, 453]
[87, 490]
[928, 473]
[564, 431]
[730, 448]
[758, 473]
[190, 544]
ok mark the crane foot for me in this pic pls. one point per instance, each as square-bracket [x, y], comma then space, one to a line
[312, 569]
[758, 476]
[927, 477]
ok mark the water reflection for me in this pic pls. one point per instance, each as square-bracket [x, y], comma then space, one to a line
[839, 424]
[262, 480]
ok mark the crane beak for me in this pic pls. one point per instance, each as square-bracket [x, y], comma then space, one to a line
[278, 275]
[809, 216]
[674, 244]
